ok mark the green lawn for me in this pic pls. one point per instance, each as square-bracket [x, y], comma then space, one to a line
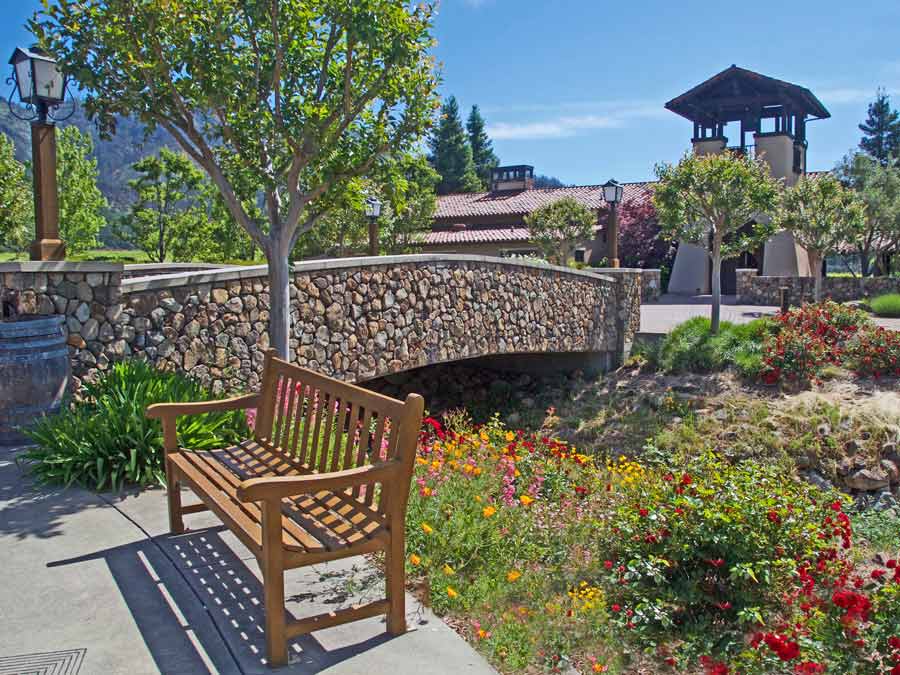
[94, 255]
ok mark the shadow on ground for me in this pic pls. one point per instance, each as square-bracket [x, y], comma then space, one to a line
[170, 582]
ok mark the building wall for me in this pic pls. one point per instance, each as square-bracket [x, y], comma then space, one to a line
[355, 319]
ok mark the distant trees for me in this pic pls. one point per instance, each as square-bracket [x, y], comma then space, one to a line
[559, 226]
[716, 202]
[822, 215]
[451, 154]
[16, 203]
[877, 186]
[542, 181]
[881, 129]
[482, 148]
[81, 204]
[169, 219]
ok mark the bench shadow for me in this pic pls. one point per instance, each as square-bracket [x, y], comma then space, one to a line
[199, 607]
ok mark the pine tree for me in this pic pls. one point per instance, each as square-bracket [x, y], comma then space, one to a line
[881, 130]
[482, 148]
[451, 155]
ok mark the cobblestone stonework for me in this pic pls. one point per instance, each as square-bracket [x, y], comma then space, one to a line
[753, 289]
[352, 319]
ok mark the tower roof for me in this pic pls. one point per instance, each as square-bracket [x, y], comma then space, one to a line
[736, 93]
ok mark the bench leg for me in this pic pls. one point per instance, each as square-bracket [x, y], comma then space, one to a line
[173, 493]
[272, 564]
[395, 568]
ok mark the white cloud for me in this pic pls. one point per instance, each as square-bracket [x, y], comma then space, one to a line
[555, 128]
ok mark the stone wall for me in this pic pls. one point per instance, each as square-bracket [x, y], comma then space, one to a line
[753, 289]
[352, 318]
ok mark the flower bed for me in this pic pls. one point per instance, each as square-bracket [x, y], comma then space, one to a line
[546, 557]
[809, 338]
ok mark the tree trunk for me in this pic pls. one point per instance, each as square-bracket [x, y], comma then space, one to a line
[279, 297]
[716, 290]
[815, 262]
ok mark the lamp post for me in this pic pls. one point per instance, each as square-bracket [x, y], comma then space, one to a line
[373, 211]
[42, 88]
[612, 194]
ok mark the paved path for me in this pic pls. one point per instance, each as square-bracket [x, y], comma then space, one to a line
[95, 585]
[670, 310]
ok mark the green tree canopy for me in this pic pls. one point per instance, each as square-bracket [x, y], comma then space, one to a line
[281, 103]
[451, 155]
[169, 219]
[878, 187]
[822, 215]
[482, 148]
[881, 130]
[559, 226]
[81, 204]
[16, 203]
[719, 202]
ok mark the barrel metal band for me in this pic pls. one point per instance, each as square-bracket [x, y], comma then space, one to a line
[34, 356]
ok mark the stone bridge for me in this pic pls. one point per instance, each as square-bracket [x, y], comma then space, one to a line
[353, 318]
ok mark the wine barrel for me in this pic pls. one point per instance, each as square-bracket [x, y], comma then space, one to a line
[34, 371]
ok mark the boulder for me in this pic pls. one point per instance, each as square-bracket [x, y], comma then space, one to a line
[867, 480]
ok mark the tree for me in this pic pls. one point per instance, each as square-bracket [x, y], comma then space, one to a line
[558, 227]
[881, 130]
[822, 215]
[719, 202]
[542, 181]
[81, 204]
[482, 149]
[169, 218]
[641, 240]
[878, 187]
[16, 203]
[281, 103]
[451, 155]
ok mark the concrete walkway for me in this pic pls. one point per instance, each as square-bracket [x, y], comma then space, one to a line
[670, 310]
[93, 584]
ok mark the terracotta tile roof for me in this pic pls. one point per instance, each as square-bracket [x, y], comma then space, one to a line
[476, 236]
[523, 202]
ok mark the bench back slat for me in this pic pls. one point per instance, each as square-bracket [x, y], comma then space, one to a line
[328, 425]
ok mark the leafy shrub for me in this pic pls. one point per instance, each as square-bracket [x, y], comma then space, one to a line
[696, 554]
[886, 305]
[104, 440]
[691, 348]
[812, 337]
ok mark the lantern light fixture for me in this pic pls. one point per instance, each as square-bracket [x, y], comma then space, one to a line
[612, 191]
[41, 86]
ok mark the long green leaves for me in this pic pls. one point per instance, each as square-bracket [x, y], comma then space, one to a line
[105, 441]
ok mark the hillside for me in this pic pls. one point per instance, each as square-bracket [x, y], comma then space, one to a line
[114, 157]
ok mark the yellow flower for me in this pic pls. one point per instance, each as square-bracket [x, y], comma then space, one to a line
[477, 471]
[448, 570]
[426, 491]
[427, 529]
[421, 460]
[484, 437]
[488, 511]
[467, 468]
[435, 465]
[451, 593]
[482, 633]
[526, 500]
[414, 559]
[478, 498]
[512, 575]
[510, 436]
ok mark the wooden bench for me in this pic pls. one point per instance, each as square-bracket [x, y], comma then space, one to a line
[326, 476]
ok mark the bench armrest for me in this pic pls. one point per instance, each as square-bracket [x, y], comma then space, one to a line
[278, 487]
[163, 410]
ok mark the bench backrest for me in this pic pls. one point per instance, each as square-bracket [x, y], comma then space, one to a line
[328, 425]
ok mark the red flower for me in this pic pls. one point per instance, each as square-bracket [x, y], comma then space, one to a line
[891, 564]
[644, 513]
[608, 564]
[616, 608]
[716, 562]
[773, 517]
[809, 668]
[686, 479]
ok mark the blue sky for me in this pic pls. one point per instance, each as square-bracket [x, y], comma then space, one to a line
[577, 87]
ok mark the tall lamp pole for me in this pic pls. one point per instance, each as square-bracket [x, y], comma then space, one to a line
[373, 211]
[612, 194]
[42, 89]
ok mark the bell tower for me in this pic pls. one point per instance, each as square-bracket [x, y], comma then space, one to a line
[767, 119]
